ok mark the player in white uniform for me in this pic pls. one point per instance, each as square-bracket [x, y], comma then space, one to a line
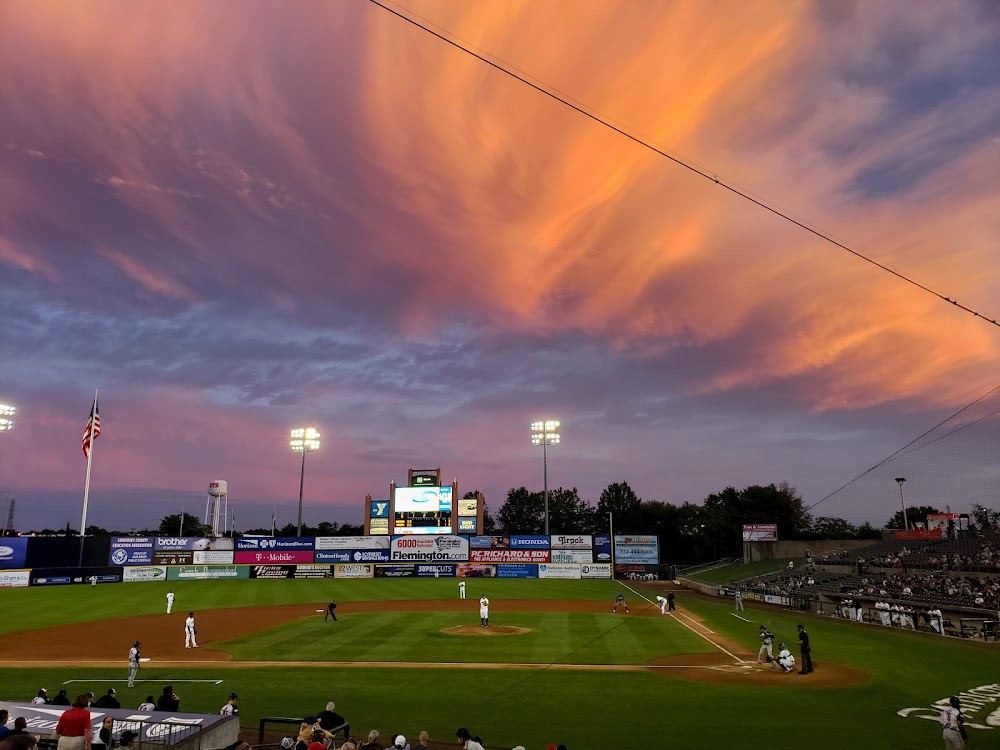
[148, 706]
[93, 582]
[663, 604]
[785, 659]
[190, 632]
[739, 600]
[766, 639]
[484, 611]
[230, 709]
[133, 663]
[461, 589]
[170, 600]
[953, 720]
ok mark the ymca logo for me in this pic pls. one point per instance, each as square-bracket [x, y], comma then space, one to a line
[379, 509]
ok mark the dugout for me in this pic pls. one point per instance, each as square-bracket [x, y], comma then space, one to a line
[974, 627]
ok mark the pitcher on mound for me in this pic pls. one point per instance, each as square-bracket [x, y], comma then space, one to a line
[484, 611]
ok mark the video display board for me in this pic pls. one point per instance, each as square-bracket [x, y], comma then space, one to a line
[422, 510]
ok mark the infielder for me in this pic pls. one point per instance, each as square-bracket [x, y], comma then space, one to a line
[461, 589]
[663, 604]
[620, 601]
[190, 632]
[170, 600]
[484, 611]
[766, 639]
[133, 663]
[785, 659]
[330, 611]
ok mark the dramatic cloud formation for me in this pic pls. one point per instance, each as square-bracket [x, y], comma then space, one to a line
[233, 220]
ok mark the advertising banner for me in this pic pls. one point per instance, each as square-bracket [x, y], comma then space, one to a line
[12, 579]
[467, 525]
[12, 551]
[509, 555]
[637, 572]
[489, 542]
[370, 555]
[431, 570]
[379, 509]
[597, 570]
[333, 556]
[212, 557]
[272, 571]
[144, 575]
[400, 570]
[559, 570]
[430, 549]
[58, 576]
[378, 526]
[353, 571]
[760, 532]
[517, 570]
[313, 571]
[274, 543]
[782, 600]
[644, 540]
[131, 550]
[572, 556]
[164, 557]
[476, 570]
[573, 541]
[467, 507]
[207, 572]
[919, 534]
[529, 542]
[273, 557]
[352, 542]
[639, 554]
[602, 548]
[174, 543]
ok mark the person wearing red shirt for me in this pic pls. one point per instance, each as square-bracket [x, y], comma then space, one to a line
[73, 728]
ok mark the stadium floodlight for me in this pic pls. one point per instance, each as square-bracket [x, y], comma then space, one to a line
[303, 440]
[906, 523]
[7, 417]
[545, 433]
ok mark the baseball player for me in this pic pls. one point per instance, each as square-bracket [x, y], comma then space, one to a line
[461, 589]
[133, 663]
[620, 601]
[739, 600]
[330, 611]
[785, 659]
[170, 600]
[230, 709]
[484, 611]
[93, 582]
[148, 706]
[766, 639]
[663, 604]
[190, 632]
[954, 724]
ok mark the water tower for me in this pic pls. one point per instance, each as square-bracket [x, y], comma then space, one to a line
[216, 505]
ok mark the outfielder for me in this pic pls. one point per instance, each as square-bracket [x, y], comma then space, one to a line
[766, 639]
[170, 600]
[484, 611]
[663, 604]
[190, 632]
[133, 663]
[461, 589]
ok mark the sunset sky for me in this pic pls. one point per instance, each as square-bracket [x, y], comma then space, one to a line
[236, 217]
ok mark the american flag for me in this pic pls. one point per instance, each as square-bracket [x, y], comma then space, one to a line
[93, 429]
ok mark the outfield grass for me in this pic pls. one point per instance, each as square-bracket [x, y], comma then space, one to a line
[582, 709]
[728, 573]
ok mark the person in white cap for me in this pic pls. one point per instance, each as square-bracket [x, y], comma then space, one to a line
[400, 743]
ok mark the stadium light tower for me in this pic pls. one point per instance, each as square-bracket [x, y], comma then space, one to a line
[906, 523]
[303, 440]
[6, 417]
[545, 433]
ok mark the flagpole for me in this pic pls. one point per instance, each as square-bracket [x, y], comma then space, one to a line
[86, 486]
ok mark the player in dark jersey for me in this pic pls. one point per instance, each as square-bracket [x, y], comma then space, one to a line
[620, 602]
[330, 611]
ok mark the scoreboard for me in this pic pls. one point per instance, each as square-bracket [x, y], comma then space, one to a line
[422, 510]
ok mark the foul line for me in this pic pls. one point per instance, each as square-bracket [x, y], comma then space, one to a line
[738, 617]
[214, 682]
[703, 627]
[702, 635]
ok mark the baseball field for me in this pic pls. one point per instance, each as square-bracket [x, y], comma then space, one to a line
[556, 665]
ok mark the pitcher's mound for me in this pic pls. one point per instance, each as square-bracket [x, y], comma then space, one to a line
[491, 630]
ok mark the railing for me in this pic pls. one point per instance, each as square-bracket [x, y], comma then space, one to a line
[721, 562]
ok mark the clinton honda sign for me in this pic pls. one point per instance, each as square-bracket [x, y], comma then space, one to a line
[430, 549]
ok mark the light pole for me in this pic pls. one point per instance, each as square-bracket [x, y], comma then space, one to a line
[303, 440]
[545, 433]
[906, 523]
[6, 417]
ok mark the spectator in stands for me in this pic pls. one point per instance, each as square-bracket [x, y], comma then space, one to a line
[400, 743]
[424, 740]
[149, 705]
[108, 700]
[61, 700]
[329, 720]
[349, 745]
[168, 700]
[372, 743]
[4, 718]
[41, 699]
[73, 728]
[104, 738]
[307, 731]
[127, 739]
[468, 743]
[22, 741]
[20, 726]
